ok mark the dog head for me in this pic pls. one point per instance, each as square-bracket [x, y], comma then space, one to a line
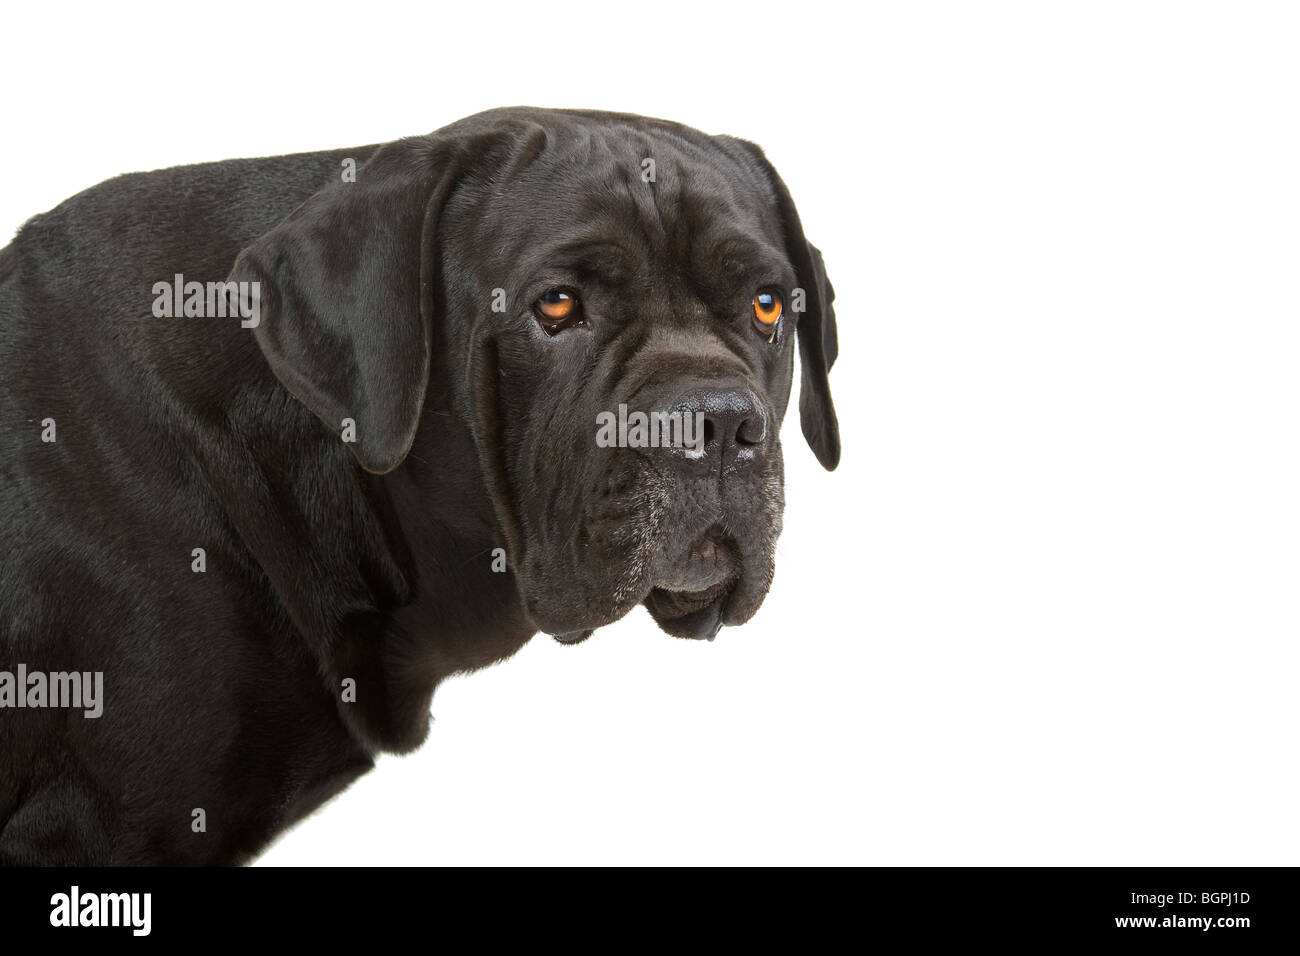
[611, 305]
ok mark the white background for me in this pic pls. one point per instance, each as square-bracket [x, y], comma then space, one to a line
[1046, 610]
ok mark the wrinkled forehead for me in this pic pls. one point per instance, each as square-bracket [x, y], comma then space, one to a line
[622, 202]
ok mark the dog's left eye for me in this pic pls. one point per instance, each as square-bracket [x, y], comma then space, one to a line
[557, 310]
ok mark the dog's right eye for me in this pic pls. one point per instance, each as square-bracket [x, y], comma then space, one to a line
[557, 310]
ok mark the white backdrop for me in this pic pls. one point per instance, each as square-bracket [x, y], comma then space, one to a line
[1046, 610]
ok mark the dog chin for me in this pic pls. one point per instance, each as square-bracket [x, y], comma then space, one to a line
[692, 594]
[689, 597]
[681, 613]
[690, 614]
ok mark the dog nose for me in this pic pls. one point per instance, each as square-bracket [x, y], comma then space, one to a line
[730, 422]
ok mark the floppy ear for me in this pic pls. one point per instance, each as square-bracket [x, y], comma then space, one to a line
[346, 292]
[818, 337]
[816, 410]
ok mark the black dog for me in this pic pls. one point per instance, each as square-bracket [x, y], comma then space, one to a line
[269, 517]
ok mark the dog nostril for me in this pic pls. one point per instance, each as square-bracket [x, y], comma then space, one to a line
[752, 431]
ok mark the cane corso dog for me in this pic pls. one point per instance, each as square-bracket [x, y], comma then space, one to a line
[288, 441]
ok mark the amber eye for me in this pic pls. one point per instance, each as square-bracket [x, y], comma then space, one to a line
[557, 310]
[767, 309]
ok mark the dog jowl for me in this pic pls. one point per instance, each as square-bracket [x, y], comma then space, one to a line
[275, 538]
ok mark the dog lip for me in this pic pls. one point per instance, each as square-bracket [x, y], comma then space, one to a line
[696, 614]
[574, 637]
